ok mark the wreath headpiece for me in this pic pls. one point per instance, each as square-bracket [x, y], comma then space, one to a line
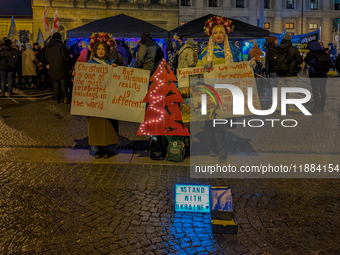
[216, 20]
[102, 37]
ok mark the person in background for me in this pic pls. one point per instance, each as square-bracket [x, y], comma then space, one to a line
[18, 69]
[39, 66]
[187, 57]
[272, 53]
[318, 74]
[289, 74]
[256, 53]
[58, 59]
[8, 63]
[146, 53]
[128, 55]
[28, 66]
[332, 53]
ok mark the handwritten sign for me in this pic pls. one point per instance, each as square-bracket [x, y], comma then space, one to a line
[238, 74]
[127, 94]
[109, 92]
[184, 74]
[192, 198]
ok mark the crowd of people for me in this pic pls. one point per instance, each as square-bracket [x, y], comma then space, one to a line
[53, 67]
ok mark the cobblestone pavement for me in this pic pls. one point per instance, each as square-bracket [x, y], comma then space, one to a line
[43, 124]
[121, 209]
[58, 208]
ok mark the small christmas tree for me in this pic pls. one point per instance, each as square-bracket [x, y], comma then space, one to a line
[163, 115]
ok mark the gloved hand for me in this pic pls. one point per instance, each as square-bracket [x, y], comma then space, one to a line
[207, 65]
[252, 63]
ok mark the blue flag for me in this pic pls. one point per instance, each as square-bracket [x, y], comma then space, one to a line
[40, 38]
[12, 30]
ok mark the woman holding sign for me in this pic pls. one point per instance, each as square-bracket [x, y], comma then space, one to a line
[103, 133]
[218, 51]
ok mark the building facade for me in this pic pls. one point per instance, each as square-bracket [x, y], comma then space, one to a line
[75, 13]
[296, 16]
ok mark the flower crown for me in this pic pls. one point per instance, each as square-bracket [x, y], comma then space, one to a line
[102, 37]
[214, 21]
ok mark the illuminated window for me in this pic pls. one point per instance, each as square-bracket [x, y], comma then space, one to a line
[313, 4]
[266, 25]
[313, 26]
[291, 33]
[183, 23]
[185, 2]
[266, 4]
[290, 4]
[239, 3]
[336, 4]
[213, 3]
[290, 25]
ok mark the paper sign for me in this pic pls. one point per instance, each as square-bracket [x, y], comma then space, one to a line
[109, 92]
[239, 74]
[127, 94]
[192, 198]
[90, 90]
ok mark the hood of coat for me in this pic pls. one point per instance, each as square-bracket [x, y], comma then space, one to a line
[255, 46]
[314, 46]
[285, 44]
[186, 46]
[54, 41]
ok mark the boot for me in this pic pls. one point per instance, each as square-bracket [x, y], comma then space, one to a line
[222, 157]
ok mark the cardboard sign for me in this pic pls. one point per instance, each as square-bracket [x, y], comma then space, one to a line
[109, 92]
[239, 74]
[192, 198]
[130, 86]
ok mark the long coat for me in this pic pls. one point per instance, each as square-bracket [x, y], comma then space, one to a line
[102, 131]
[58, 58]
[28, 66]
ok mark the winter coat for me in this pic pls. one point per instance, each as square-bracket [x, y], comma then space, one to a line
[102, 131]
[255, 52]
[28, 59]
[8, 59]
[58, 59]
[75, 52]
[295, 59]
[186, 57]
[272, 52]
[310, 59]
[146, 55]
[83, 56]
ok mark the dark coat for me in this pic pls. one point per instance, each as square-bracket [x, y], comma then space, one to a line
[58, 58]
[146, 54]
[8, 59]
[314, 48]
[295, 59]
[272, 52]
[75, 52]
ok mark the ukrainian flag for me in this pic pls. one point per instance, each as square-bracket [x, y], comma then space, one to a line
[12, 30]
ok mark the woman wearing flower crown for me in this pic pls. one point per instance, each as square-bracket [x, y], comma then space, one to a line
[103, 132]
[217, 52]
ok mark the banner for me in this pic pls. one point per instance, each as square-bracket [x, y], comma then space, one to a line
[55, 27]
[109, 92]
[12, 30]
[301, 41]
[46, 25]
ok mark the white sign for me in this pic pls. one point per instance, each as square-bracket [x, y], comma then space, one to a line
[192, 198]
